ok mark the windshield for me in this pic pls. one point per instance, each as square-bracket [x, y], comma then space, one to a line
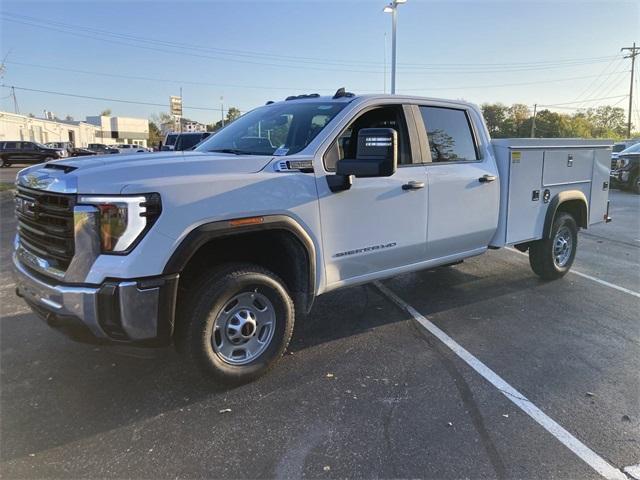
[40, 145]
[278, 129]
[171, 139]
[632, 149]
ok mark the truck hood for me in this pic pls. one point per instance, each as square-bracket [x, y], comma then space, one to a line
[143, 171]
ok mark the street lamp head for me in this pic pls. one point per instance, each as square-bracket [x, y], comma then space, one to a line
[388, 9]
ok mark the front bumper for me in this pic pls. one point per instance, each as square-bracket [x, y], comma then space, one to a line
[139, 311]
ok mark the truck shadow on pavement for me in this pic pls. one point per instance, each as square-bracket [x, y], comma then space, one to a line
[55, 392]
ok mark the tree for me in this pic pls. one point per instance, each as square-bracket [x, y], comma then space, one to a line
[106, 112]
[232, 114]
[515, 121]
[494, 116]
[607, 121]
[155, 135]
[550, 124]
[69, 118]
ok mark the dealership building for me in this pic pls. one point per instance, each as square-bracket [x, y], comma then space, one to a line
[99, 129]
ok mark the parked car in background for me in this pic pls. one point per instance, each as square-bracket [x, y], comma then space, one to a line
[619, 147]
[627, 175]
[170, 141]
[28, 152]
[130, 148]
[187, 141]
[82, 152]
[102, 149]
[66, 146]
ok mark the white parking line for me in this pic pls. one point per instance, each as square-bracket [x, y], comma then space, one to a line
[572, 443]
[633, 471]
[584, 275]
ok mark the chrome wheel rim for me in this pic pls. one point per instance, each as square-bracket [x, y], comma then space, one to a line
[243, 328]
[562, 246]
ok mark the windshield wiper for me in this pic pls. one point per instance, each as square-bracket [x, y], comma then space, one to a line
[234, 151]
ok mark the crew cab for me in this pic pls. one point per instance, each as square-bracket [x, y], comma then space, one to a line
[217, 250]
[27, 152]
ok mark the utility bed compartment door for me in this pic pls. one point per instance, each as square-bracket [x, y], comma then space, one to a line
[525, 212]
[600, 186]
[567, 166]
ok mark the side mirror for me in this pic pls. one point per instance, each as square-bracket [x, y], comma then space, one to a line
[376, 156]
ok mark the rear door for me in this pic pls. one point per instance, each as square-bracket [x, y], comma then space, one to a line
[463, 186]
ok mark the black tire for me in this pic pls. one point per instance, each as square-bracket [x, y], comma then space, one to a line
[542, 257]
[201, 307]
[4, 163]
[635, 185]
[48, 159]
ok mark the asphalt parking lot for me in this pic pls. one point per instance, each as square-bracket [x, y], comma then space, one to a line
[364, 390]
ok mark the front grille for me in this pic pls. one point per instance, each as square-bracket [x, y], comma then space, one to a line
[45, 225]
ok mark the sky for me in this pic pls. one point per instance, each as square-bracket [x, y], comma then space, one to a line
[242, 53]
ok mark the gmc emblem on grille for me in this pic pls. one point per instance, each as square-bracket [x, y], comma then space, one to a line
[26, 207]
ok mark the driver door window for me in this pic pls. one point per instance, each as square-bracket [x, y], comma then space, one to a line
[380, 117]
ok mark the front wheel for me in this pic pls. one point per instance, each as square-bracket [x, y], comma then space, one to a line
[235, 323]
[635, 185]
[48, 159]
[551, 258]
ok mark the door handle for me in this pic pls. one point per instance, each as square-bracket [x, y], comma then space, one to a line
[487, 178]
[413, 185]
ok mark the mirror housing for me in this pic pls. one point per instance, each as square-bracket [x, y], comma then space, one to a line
[376, 155]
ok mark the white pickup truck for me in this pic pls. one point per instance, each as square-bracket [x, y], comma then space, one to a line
[215, 249]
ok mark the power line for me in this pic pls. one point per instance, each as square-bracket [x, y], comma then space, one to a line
[188, 50]
[156, 79]
[188, 82]
[118, 100]
[261, 55]
[502, 84]
[573, 103]
[594, 82]
[606, 87]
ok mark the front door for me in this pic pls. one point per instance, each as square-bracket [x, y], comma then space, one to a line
[464, 191]
[376, 225]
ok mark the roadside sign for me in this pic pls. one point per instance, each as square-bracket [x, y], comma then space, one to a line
[175, 106]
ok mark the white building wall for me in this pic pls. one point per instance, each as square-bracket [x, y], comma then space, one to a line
[22, 127]
[96, 130]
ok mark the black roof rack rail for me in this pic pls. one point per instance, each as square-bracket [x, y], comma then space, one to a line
[342, 93]
[298, 97]
[269, 102]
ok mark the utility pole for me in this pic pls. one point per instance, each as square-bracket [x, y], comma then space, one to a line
[533, 123]
[15, 100]
[222, 109]
[392, 8]
[180, 119]
[384, 84]
[634, 51]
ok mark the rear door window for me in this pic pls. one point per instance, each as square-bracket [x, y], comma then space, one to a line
[449, 133]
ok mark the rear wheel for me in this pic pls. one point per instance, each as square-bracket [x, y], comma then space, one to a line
[235, 323]
[4, 163]
[552, 257]
[635, 185]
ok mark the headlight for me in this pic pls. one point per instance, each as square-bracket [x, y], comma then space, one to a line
[123, 220]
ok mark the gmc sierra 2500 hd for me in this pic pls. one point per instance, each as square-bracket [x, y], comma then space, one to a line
[215, 249]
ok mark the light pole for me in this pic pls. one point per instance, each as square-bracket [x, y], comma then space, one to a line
[392, 8]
